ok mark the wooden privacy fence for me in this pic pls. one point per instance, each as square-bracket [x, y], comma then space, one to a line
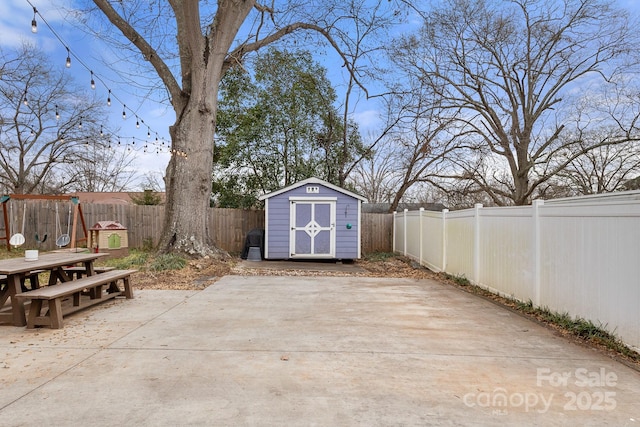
[377, 232]
[228, 227]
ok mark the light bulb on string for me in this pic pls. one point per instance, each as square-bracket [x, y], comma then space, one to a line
[101, 134]
[34, 24]
[34, 28]
[80, 123]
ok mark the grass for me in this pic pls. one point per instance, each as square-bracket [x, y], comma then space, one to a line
[167, 262]
[146, 260]
[582, 329]
[135, 259]
[13, 253]
[378, 256]
[459, 280]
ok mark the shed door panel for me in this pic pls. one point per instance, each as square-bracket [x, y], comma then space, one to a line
[313, 229]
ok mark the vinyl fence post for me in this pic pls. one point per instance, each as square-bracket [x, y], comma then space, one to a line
[536, 250]
[421, 234]
[393, 233]
[444, 240]
[476, 243]
[404, 242]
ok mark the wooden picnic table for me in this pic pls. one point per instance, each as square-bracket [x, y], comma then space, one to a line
[17, 268]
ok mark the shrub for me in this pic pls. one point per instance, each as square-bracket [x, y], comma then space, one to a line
[167, 262]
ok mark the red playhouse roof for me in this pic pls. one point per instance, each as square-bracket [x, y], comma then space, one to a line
[108, 225]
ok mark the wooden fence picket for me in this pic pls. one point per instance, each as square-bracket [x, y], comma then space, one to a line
[228, 227]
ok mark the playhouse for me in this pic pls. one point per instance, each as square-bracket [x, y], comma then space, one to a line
[312, 219]
[109, 236]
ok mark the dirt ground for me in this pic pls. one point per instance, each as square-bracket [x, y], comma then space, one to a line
[204, 272]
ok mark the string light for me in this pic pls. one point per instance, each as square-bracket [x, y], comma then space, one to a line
[94, 77]
[25, 100]
[34, 24]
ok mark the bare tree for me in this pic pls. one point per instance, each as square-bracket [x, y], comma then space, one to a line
[514, 69]
[378, 176]
[207, 43]
[368, 21]
[602, 170]
[44, 120]
[99, 169]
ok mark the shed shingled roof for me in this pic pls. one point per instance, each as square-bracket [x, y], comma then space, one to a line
[317, 181]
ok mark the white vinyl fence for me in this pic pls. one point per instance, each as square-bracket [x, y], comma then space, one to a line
[579, 255]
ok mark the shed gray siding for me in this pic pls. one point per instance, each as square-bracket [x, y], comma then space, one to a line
[278, 227]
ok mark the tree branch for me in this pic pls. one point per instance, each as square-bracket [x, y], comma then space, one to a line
[236, 56]
[145, 48]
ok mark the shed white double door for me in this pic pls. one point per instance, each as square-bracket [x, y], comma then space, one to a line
[313, 228]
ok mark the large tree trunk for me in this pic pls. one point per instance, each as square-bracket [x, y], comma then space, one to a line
[188, 178]
[188, 184]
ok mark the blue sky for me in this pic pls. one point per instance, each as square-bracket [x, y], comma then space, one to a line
[15, 27]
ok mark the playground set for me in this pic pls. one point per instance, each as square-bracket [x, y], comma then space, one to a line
[15, 218]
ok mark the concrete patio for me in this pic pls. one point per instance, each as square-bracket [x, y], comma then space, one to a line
[298, 351]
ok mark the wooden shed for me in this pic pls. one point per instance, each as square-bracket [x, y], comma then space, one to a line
[312, 219]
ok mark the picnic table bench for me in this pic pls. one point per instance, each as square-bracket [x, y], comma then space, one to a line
[55, 294]
[32, 276]
[79, 271]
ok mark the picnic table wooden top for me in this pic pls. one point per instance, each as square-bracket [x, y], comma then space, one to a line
[46, 261]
